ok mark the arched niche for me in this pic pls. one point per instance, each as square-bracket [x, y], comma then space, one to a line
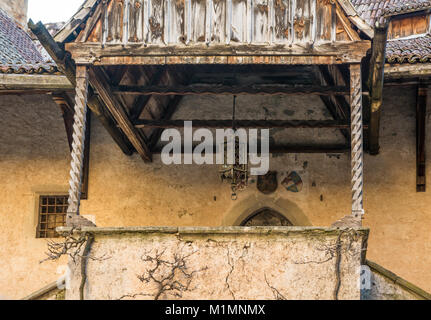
[253, 204]
[266, 217]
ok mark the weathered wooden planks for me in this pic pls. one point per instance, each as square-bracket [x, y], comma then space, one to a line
[117, 54]
[407, 26]
[170, 22]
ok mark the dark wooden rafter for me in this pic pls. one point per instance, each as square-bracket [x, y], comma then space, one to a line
[337, 105]
[118, 75]
[171, 106]
[96, 107]
[421, 104]
[142, 101]
[197, 123]
[375, 83]
[86, 164]
[329, 149]
[237, 90]
[167, 115]
[68, 68]
[100, 83]
[66, 106]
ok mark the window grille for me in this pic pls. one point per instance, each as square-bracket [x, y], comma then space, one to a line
[52, 214]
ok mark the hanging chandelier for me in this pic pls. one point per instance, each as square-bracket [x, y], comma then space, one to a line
[235, 173]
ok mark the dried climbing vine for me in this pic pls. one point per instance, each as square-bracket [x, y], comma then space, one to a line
[171, 276]
[72, 246]
[335, 251]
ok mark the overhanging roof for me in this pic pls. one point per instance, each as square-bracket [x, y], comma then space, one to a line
[18, 53]
[195, 28]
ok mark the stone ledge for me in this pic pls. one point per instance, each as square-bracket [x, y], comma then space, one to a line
[398, 280]
[215, 230]
[50, 288]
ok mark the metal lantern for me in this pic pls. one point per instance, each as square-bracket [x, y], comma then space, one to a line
[236, 173]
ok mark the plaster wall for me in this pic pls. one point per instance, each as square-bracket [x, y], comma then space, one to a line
[33, 160]
[125, 191]
[242, 263]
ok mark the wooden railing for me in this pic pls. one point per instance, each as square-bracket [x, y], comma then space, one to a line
[212, 22]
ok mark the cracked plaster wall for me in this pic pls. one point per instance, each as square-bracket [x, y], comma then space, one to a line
[263, 264]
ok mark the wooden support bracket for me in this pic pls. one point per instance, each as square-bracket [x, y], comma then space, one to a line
[421, 104]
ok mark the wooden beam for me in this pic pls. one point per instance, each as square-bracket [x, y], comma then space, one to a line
[336, 105]
[142, 101]
[138, 54]
[24, 82]
[375, 83]
[329, 79]
[86, 163]
[407, 70]
[258, 124]
[167, 115]
[110, 126]
[67, 66]
[66, 106]
[334, 149]
[237, 90]
[100, 82]
[60, 57]
[421, 105]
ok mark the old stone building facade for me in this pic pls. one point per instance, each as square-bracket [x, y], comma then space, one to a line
[313, 169]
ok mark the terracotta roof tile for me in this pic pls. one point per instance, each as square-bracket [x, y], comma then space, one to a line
[373, 11]
[412, 50]
[18, 52]
[403, 6]
[370, 10]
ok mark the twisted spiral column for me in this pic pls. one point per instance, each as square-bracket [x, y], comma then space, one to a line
[357, 159]
[79, 126]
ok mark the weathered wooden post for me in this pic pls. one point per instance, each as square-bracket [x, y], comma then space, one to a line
[357, 160]
[79, 127]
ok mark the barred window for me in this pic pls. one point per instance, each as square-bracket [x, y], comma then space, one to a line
[52, 214]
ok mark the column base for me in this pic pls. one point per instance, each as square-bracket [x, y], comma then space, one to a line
[74, 220]
[348, 221]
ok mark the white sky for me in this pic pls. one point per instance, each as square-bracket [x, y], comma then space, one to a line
[52, 10]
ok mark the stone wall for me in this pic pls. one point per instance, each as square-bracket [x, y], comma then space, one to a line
[17, 9]
[220, 263]
[386, 285]
[124, 191]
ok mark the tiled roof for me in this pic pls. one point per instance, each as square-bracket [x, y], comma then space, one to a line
[404, 6]
[409, 50]
[18, 53]
[370, 10]
[373, 11]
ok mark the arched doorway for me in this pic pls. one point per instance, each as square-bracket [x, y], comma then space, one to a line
[266, 217]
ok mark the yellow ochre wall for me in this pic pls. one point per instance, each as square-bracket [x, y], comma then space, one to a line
[125, 191]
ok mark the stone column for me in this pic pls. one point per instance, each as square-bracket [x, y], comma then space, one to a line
[357, 159]
[79, 127]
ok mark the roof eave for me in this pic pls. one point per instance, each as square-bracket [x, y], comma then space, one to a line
[355, 18]
[77, 19]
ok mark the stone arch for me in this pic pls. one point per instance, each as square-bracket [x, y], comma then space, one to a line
[246, 207]
[266, 217]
